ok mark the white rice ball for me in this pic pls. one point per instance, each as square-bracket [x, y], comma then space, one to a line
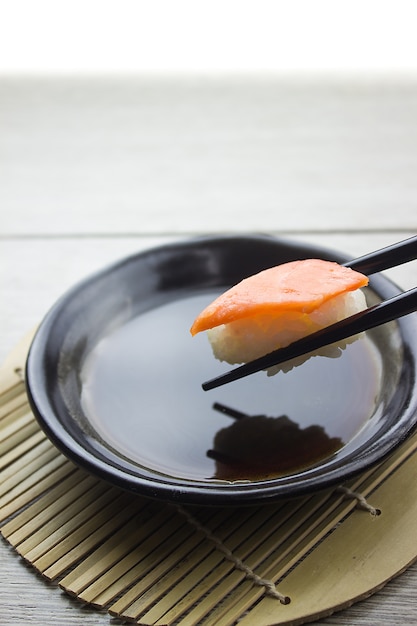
[247, 339]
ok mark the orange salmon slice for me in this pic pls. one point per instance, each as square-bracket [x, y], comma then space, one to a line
[300, 286]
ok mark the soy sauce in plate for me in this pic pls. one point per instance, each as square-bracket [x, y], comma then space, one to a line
[142, 395]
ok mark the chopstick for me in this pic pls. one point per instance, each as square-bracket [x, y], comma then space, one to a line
[381, 313]
[391, 256]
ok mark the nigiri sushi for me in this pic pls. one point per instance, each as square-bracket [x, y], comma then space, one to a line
[279, 305]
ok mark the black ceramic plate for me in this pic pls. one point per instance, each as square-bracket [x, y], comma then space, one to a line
[114, 378]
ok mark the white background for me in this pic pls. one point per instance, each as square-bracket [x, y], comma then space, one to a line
[85, 36]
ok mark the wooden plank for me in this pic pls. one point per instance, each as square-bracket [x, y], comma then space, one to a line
[233, 154]
[14, 422]
[11, 385]
[63, 530]
[26, 463]
[53, 501]
[278, 567]
[253, 535]
[34, 486]
[77, 545]
[42, 528]
[29, 474]
[137, 563]
[20, 436]
[354, 560]
[14, 401]
[152, 585]
[129, 538]
[20, 451]
[12, 362]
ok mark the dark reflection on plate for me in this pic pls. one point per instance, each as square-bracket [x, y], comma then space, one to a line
[260, 447]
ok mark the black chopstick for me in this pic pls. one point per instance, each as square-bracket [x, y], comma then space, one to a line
[381, 313]
[390, 256]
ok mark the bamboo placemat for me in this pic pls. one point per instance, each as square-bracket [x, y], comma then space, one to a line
[154, 563]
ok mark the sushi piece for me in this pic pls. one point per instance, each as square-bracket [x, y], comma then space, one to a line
[279, 305]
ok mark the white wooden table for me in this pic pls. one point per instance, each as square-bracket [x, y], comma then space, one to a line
[94, 169]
